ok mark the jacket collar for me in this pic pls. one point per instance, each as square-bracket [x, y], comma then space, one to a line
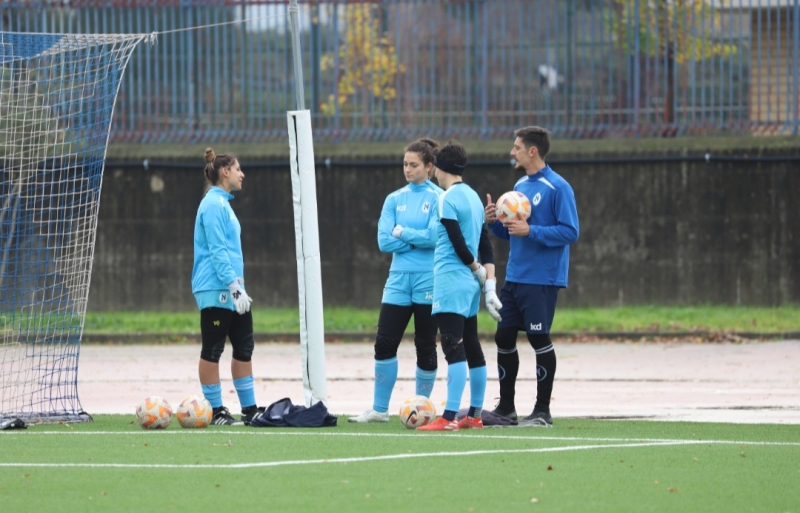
[221, 192]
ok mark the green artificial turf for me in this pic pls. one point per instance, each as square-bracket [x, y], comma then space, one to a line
[579, 465]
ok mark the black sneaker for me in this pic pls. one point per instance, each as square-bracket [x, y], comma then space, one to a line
[509, 413]
[223, 417]
[538, 418]
[251, 412]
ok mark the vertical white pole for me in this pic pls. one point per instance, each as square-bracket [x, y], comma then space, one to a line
[306, 226]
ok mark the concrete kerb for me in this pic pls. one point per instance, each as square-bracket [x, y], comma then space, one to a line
[695, 336]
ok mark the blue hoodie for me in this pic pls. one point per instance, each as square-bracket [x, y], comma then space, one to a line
[542, 258]
[412, 207]
[218, 257]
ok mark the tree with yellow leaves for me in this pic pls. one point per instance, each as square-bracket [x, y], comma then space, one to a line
[367, 65]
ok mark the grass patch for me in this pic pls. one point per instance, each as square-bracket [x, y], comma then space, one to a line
[580, 465]
[665, 319]
[594, 320]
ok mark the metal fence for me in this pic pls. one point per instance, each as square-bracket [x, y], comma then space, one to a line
[397, 69]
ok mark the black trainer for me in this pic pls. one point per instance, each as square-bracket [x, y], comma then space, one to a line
[509, 413]
[538, 418]
[251, 412]
[222, 417]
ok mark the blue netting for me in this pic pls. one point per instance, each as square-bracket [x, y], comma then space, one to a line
[16, 46]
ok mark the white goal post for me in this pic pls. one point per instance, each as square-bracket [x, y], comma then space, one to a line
[309, 269]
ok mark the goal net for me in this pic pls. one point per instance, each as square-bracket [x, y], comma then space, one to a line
[57, 95]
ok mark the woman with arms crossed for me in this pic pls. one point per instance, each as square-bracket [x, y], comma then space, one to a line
[403, 230]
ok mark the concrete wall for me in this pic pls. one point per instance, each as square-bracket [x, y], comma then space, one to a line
[657, 232]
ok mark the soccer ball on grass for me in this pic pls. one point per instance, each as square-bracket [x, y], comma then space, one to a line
[513, 205]
[417, 411]
[194, 412]
[154, 413]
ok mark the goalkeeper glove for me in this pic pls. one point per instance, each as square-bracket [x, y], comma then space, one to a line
[480, 275]
[240, 298]
[493, 305]
[397, 232]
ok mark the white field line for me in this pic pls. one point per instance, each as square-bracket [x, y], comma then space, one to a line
[633, 443]
[410, 434]
[342, 460]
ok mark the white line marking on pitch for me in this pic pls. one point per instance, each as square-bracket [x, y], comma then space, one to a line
[268, 432]
[345, 460]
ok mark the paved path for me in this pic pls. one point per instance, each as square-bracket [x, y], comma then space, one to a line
[754, 382]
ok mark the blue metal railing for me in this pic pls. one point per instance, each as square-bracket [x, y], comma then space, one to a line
[397, 69]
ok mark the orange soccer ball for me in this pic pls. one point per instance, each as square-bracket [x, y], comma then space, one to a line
[417, 411]
[194, 412]
[154, 413]
[513, 205]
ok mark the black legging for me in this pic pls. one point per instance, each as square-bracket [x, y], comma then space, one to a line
[392, 324]
[456, 328]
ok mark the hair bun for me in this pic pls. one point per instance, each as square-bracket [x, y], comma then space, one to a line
[430, 142]
[210, 155]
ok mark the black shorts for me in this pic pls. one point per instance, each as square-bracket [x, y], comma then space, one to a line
[529, 308]
[218, 324]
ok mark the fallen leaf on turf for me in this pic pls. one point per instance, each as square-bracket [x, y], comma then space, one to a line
[534, 500]
[549, 467]
[672, 490]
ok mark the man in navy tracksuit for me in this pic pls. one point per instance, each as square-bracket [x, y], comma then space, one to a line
[538, 265]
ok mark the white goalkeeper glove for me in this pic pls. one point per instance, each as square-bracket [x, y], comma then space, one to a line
[480, 275]
[397, 232]
[240, 298]
[493, 305]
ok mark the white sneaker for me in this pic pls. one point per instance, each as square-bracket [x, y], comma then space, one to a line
[371, 416]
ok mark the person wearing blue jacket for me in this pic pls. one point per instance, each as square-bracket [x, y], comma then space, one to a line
[538, 266]
[219, 290]
[404, 231]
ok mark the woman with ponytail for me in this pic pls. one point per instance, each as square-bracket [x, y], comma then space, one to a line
[218, 287]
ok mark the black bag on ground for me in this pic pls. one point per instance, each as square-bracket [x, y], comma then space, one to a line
[285, 414]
